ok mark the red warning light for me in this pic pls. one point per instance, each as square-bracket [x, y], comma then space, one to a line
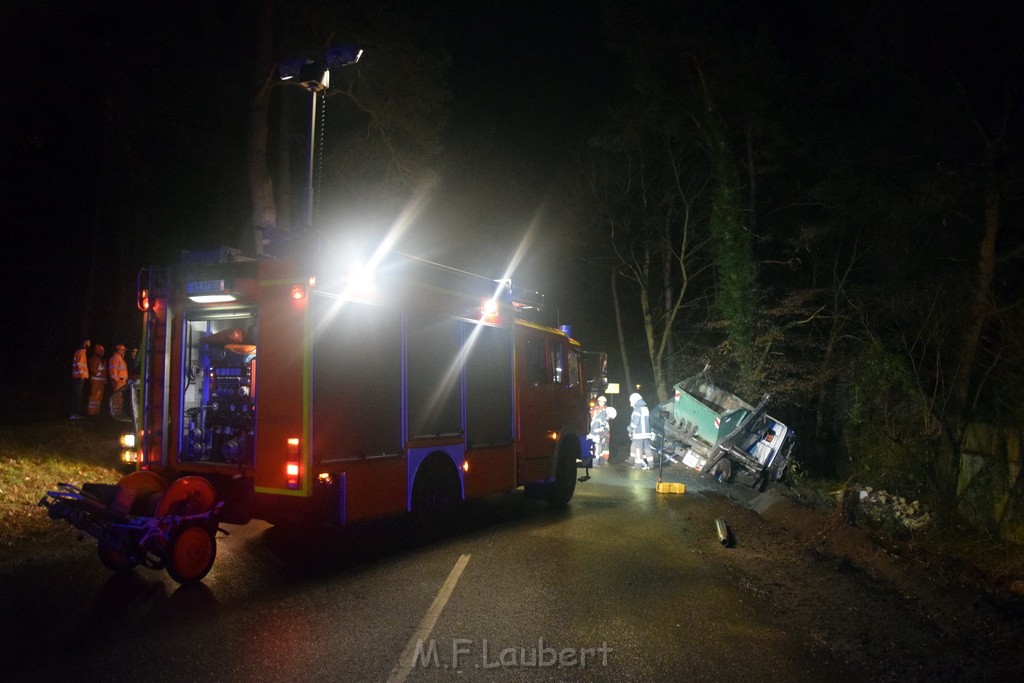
[291, 467]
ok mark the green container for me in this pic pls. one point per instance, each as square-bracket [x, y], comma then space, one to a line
[714, 411]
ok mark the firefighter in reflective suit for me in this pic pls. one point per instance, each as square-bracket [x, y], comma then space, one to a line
[117, 370]
[97, 379]
[600, 434]
[640, 433]
[79, 375]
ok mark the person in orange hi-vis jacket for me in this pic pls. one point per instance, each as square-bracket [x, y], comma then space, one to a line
[117, 371]
[79, 373]
[97, 379]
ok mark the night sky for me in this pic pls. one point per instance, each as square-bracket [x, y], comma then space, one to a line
[125, 128]
[125, 143]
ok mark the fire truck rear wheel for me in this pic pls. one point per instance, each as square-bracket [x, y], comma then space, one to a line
[191, 551]
[113, 559]
[435, 497]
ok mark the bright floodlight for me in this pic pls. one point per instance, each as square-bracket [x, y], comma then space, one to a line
[342, 55]
[362, 282]
[222, 298]
[289, 68]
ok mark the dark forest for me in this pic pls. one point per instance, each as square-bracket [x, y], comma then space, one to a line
[820, 200]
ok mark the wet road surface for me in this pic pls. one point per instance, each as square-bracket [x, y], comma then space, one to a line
[625, 584]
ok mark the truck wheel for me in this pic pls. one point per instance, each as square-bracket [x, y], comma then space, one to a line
[763, 479]
[722, 470]
[113, 559]
[435, 497]
[561, 490]
[191, 551]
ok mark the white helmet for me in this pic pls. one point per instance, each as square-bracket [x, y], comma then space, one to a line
[634, 397]
[610, 413]
[602, 400]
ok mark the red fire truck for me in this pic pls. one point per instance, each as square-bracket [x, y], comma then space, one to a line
[294, 391]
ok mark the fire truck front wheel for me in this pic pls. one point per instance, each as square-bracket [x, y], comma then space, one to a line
[563, 487]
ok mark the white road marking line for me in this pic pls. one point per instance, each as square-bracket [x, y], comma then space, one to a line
[405, 662]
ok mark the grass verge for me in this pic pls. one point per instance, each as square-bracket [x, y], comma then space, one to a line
[34, 458]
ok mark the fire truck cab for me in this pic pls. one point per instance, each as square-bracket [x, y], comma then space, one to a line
[304, 394]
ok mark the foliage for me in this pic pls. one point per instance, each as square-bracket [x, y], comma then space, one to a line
[883, 430]
[860, 215]
[698, 113]
[737, 284]
[984, 498]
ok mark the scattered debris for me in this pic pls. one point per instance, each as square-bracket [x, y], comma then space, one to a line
[883, 507]
[725, 536]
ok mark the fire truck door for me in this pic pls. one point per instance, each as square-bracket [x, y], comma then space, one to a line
[540, 368]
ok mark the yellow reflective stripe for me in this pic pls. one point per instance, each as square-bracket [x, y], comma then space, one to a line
[282, 492]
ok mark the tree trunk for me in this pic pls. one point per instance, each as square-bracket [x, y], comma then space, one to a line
[261, 187]
[734, 259]
[285, 217]
[751, 182]
[948, 459]
[89, 290]
[650, 333]
[622, 332]
[667, 257]
[979, 308]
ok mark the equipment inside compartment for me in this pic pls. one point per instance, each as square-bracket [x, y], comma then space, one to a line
[219, 402]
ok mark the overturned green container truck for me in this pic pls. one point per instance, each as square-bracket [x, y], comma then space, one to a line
[715, 432]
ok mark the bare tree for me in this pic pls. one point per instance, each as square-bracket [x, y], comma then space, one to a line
[386, 113]
[653, 200]
[619, 329]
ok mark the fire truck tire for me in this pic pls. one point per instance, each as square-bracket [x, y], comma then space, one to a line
[113, 559]
[190, 553]
[435, 497]
[562, 489]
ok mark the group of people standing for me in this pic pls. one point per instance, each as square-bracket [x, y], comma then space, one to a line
[639, 430]
[90, 368]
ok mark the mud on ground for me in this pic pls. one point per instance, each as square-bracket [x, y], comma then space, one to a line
[905, 610]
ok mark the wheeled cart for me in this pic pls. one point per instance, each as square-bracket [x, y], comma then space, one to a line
[144, 520]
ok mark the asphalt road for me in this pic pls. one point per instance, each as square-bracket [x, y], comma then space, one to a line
[625, 585]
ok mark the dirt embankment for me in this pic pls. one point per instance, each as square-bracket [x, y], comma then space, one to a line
[911, 609]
